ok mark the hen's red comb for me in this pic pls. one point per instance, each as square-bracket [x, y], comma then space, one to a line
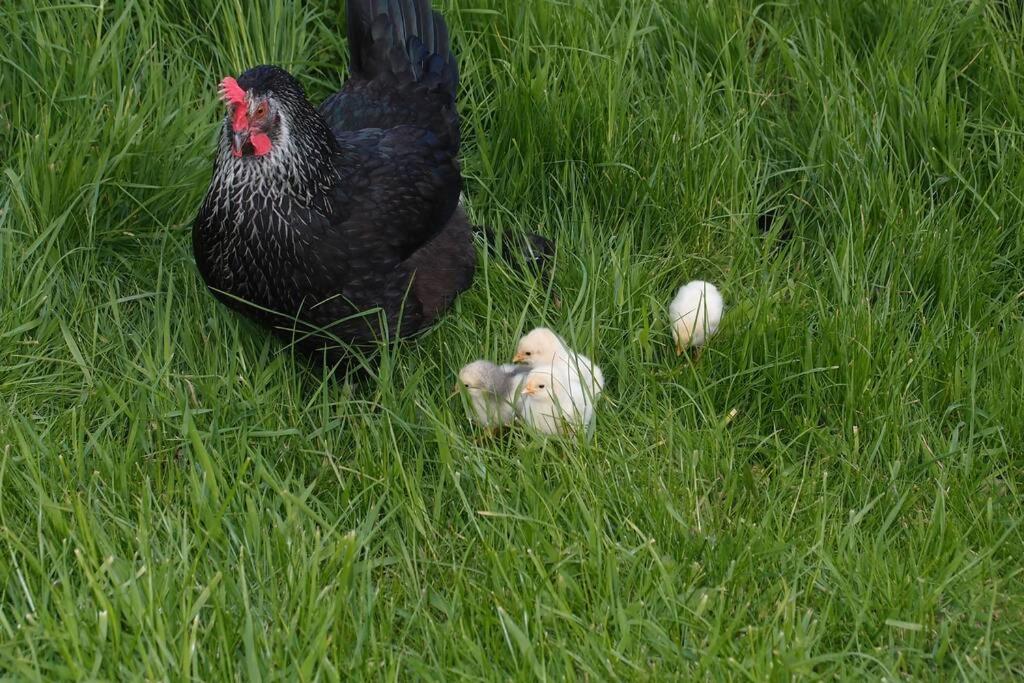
[234, 96]
[231, 91]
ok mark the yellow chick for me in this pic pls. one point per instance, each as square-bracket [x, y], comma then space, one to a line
[695, 314]
[554, 402]
[541, 347]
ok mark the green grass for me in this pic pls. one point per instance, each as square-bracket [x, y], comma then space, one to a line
[181, 498]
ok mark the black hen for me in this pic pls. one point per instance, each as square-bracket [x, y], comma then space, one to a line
[325, 224]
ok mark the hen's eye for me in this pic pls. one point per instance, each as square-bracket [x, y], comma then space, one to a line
[261, 111]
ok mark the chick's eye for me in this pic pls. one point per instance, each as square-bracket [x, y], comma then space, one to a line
[540, 386]
[529, 353]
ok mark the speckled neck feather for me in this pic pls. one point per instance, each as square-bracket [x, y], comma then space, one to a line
[297, 173]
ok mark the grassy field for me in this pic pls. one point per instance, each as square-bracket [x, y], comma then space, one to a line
[181, 498]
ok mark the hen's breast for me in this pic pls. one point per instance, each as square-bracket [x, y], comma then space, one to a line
[299, 265]
[268, 256]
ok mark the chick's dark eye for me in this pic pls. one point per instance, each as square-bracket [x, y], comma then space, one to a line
[466, 385]
[529, 353]
[540, 386]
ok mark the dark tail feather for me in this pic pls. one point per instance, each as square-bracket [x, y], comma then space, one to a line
[528, 251]
[405, 39]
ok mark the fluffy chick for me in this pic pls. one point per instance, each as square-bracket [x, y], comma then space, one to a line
[541, 347]
[695, 314]
[554, 402]
[493, 391]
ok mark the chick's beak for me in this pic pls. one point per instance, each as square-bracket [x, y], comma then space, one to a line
[679, 348]
[529, 391]
[519, 357]
[455, 390]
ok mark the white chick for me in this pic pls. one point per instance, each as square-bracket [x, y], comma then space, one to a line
[695, 314]
[554, 402]
[542, 347]
[493, 391]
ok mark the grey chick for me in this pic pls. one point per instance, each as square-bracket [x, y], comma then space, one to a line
[493, 391]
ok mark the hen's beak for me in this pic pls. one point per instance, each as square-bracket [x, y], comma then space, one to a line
[239, 142]
[519, 358]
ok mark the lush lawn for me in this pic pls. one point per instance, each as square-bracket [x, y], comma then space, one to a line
[179, 497]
